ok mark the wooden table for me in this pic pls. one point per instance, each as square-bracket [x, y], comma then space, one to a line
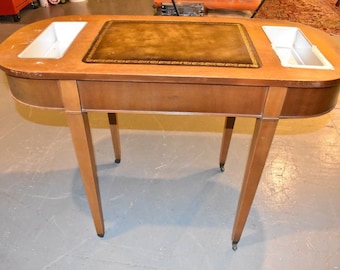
[268, 93]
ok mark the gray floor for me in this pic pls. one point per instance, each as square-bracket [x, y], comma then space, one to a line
[166, 206]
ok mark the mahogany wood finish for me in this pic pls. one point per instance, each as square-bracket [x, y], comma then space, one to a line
[267, 93]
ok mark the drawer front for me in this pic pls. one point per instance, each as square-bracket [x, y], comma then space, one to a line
[171, 98]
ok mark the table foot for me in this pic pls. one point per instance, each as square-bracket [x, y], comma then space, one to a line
[101, 235]
[226, 138]
[115, 136]
[234, 245]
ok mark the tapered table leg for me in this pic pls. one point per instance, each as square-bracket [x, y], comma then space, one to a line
[78, 123]
[227, 133]
[115, 136]
[260, 146]
[262, 139]
[82, 141]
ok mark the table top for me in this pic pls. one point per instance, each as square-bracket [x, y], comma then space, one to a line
[71, 66]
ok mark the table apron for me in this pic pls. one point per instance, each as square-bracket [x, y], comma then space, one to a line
[173, 98]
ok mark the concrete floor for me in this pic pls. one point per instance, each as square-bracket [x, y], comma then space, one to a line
[167, 205]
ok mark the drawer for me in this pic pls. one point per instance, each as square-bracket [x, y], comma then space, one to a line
[171, 98]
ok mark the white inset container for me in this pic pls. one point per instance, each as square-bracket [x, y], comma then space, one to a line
[294, 49]
[54, 41]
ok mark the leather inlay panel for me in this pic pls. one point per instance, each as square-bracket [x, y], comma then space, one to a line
[173, 43]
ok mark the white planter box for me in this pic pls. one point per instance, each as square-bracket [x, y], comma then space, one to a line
[294, 49]
[54, 41]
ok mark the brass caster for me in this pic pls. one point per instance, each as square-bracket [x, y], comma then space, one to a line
[234, 245]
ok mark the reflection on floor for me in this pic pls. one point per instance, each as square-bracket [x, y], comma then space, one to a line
[167, 205]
